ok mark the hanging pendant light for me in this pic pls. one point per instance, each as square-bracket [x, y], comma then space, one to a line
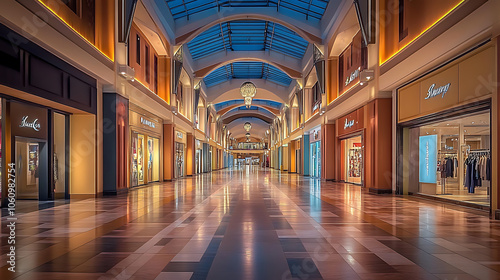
[248, 91]
[247, 126]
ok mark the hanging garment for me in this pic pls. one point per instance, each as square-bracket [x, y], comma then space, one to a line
[477, 173]
[470, 174]
[443, 169]
[483, 168]
[455, 161]
[488, 169]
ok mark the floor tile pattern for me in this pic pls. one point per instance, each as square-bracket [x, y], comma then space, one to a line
[251, 223]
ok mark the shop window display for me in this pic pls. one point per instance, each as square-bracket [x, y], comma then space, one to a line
[354, 160]
[454, 158]
[316, 159]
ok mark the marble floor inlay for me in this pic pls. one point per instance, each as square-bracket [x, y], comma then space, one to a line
[251, 223]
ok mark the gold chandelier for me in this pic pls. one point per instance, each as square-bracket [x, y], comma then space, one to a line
[248, 91]
[247, 126]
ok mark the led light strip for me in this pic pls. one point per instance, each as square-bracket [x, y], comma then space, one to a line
[418, 36]
[58, 16]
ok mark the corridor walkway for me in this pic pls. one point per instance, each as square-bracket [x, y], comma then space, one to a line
[253, 224]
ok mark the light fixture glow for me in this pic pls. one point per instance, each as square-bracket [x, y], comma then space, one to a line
[247, 126]
[381, 62]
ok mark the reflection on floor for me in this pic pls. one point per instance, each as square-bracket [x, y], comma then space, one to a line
[253, 224]
[452, 191]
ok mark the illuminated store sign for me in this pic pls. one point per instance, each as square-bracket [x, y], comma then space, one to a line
[148, 122]
[348, 124]
[428, 159]
[433, 91]
[352, 77]
[33, 124]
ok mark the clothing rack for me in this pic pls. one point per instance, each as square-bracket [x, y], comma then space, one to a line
[479, 152]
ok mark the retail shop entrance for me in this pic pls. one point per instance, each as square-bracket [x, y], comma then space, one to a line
[352, 159]
[28, 163]
[445, 132]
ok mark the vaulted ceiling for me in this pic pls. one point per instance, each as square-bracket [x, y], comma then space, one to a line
[230, 42]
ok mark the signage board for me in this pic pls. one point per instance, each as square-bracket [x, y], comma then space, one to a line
[428, 159]
[28, 121]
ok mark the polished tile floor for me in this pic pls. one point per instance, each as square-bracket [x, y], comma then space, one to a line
[252, 224]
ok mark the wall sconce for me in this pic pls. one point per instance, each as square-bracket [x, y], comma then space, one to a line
[127, 72]
[365, 76]
[174, 110]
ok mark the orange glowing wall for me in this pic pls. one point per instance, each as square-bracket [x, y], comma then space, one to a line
[93, 20]
[142, 67]
[352, 59]
[332, 82]
[397, 31]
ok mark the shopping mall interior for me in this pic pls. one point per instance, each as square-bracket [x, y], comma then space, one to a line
[249, 139]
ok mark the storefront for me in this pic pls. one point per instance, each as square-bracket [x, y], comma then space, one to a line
[350, 133]
[30, 147]
[44, 102]
[180, 154]
[315, 153]
[198, 157]
[445, 132]
[145, 139]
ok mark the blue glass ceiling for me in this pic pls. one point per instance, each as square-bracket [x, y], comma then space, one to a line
[268, 103]
[252, 108]
[247, 70]
[308, 9]
[248, 35]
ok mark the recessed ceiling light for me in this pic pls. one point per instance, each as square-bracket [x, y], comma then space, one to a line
[472, 122]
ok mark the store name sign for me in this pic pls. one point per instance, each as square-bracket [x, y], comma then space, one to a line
[33, 124]
[348, 123]
[179, 135]
[148, 122]
[428, 159]
[352, 77]
[440, 91]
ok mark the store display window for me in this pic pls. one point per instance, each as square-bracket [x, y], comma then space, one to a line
[454, 158]
[354, 159]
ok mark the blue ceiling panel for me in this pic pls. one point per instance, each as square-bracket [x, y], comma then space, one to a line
[312, 10]
[248, 35]
[247, 70]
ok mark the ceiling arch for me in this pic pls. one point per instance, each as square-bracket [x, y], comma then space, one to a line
[259, 127]
[188, 31]
[230, 90]
[216, 62]
[254, 114]
[247, 70]
[228, 109]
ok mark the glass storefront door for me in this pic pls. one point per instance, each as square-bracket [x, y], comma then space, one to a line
[316, 159]
[59, 158]
[145, 157]
[137, 157]
[27, 168]
[179, 160]
[353, 159]
[153, 159]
